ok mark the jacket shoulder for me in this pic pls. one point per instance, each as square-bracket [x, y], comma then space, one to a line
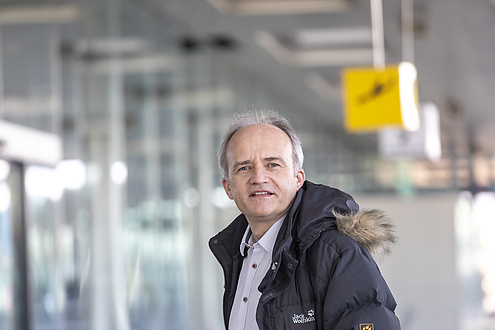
[368, 229]
[333, 244]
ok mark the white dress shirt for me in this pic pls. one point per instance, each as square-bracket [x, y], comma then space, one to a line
[254, 267]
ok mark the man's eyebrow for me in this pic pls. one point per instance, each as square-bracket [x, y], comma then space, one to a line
[277, 159]
[242, 163]
[267, 159]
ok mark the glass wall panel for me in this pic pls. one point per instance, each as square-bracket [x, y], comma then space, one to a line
[6, 249]
[475, 264]
[50, 251]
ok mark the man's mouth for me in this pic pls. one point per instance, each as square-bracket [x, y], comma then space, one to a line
[260, 193]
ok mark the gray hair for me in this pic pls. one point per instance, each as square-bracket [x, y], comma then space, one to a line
[259, 117]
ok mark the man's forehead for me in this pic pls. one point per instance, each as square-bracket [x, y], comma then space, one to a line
[268, 132]
[260, 128]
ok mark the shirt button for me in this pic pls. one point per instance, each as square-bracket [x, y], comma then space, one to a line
[245, 299]
[254, 265]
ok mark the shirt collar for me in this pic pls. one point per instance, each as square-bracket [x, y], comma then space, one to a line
[267, 241]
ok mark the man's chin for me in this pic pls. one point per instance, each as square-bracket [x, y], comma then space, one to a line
[262, 218]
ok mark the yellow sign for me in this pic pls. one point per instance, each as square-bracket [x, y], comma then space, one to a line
[378, 98]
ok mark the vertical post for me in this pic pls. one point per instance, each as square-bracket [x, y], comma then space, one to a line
[377, 33]
[407, 30]
[206, 152]
[108, 294]
[55, 80]
[108, 308]
[22, 307]
[2, 108]
[181, 143]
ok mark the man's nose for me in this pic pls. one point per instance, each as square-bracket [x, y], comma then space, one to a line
[259, 175]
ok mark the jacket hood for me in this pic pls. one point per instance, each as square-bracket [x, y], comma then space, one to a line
[370, 227]
[321, 207]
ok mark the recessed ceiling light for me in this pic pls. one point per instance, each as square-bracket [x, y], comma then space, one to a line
[279, 7]
[49, 14]
[336, 47]
[317, 38]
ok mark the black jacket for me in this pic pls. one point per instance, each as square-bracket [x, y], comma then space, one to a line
[323, 275]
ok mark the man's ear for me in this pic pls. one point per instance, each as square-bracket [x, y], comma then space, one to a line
[226, 187]
[300, 177]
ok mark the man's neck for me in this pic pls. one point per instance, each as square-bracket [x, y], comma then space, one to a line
[258, 229]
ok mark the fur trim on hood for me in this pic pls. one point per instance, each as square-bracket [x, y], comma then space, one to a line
[370, 227]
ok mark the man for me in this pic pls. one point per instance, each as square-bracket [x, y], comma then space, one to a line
[300, 254]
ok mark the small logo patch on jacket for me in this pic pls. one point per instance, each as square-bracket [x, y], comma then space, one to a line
[366, 326]
[303, 318]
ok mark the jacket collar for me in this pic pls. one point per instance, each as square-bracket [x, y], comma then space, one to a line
[312, 212]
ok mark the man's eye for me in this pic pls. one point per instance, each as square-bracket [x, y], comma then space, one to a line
[273, 165]
[243, 168]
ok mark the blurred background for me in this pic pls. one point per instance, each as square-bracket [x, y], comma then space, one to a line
[111, 112]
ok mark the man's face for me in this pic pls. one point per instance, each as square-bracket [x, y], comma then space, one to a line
[262, 180]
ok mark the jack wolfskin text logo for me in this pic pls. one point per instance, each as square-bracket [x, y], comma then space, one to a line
[366, 326]
[303, 318]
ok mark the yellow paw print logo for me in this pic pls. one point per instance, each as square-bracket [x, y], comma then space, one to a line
[366, 326]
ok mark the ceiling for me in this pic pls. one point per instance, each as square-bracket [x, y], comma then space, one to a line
[453, 50]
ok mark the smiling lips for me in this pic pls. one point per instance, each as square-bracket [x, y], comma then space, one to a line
[261, 193]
